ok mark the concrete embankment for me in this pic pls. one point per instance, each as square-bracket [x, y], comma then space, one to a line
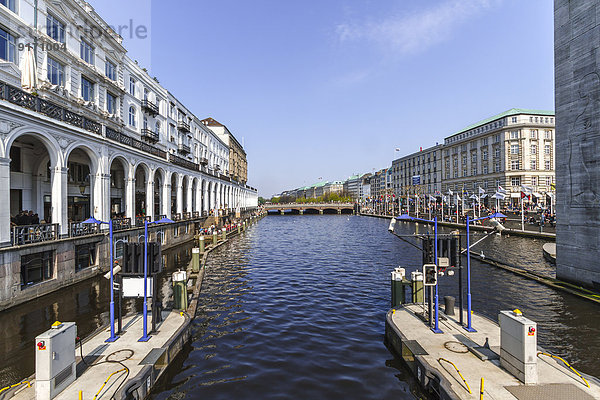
[128, 368]
[458, 364]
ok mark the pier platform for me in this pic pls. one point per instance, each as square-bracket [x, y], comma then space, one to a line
[143, 360]
[430, 357]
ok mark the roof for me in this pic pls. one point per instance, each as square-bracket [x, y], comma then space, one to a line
[212, 122]
[508, 113]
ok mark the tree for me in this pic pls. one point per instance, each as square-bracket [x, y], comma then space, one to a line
[261, 201]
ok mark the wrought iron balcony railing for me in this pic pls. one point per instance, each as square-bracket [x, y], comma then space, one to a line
[150, 107]
[183, 126]
[150, 135]
[79, 229]
[26, 234]
[183, 148]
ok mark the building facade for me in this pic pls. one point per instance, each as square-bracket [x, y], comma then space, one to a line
[97, 135]
[418, 173]
[510, 149]
[238, 164]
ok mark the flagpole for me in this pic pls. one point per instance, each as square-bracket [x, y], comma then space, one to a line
[522, 214]
[442, 207]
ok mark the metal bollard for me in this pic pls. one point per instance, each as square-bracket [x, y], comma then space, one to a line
[449, 305]
[239, 228]
[201, 243]
[180, 301]
[195, 259]
[224, 234]
[215, 237]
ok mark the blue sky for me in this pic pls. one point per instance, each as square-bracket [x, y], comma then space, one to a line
[331, 88]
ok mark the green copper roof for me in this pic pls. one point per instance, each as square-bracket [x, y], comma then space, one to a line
[512, 111]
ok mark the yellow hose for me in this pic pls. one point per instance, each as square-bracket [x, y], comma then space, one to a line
[106, 381]
[15, 385]
[462, 377]
[567, 364]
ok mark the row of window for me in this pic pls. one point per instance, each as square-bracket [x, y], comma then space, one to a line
[515, 182]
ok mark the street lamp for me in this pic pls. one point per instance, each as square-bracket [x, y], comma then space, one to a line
[436, 328]
[164, 220]
[93, 220]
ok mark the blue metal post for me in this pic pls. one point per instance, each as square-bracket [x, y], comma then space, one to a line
[145, 337]
[436, 328]
[112, 337]
[469, 328]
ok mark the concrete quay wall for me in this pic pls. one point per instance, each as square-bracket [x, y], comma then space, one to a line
[577, 88]
[62, 260]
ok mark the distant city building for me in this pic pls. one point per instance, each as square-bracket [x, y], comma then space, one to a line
[510, 149]
[335, 187]
[238, 164]
[418, 173]
[365, 187]
[352, 187]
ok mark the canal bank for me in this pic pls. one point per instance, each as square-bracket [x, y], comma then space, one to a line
[479, 228]
[142, 364]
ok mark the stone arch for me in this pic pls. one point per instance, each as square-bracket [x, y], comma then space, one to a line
[39, 186]
[158, 189]
[142, 175]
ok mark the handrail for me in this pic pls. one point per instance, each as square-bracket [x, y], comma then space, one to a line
[566, 363]
[462, 377]
[107, 379]
[481, 389]
[15, 385]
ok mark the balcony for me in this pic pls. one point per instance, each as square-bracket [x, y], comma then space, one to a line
[183, 148]
[150, 107]
[203, 161]
[183, 126]
[149, 135]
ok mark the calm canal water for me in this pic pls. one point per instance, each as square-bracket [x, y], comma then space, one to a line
[295, 308]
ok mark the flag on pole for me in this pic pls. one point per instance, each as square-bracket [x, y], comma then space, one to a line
[499, 196]
[527, 189]
[501, 190]
[431, 198]
[450, 192]
[524, 195]
[481, 190]
[484, 196]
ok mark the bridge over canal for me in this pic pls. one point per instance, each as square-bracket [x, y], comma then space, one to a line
[310, 208]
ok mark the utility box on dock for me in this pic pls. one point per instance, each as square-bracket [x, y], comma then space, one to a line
[518, 346]
[55, 360]
[399, 284]
[416, 278]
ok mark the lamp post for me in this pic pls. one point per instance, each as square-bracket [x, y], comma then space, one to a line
[145, 336]
[93, 220]
[436, 328]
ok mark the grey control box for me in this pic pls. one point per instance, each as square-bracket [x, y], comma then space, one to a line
[518, 346]
[55, 360]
